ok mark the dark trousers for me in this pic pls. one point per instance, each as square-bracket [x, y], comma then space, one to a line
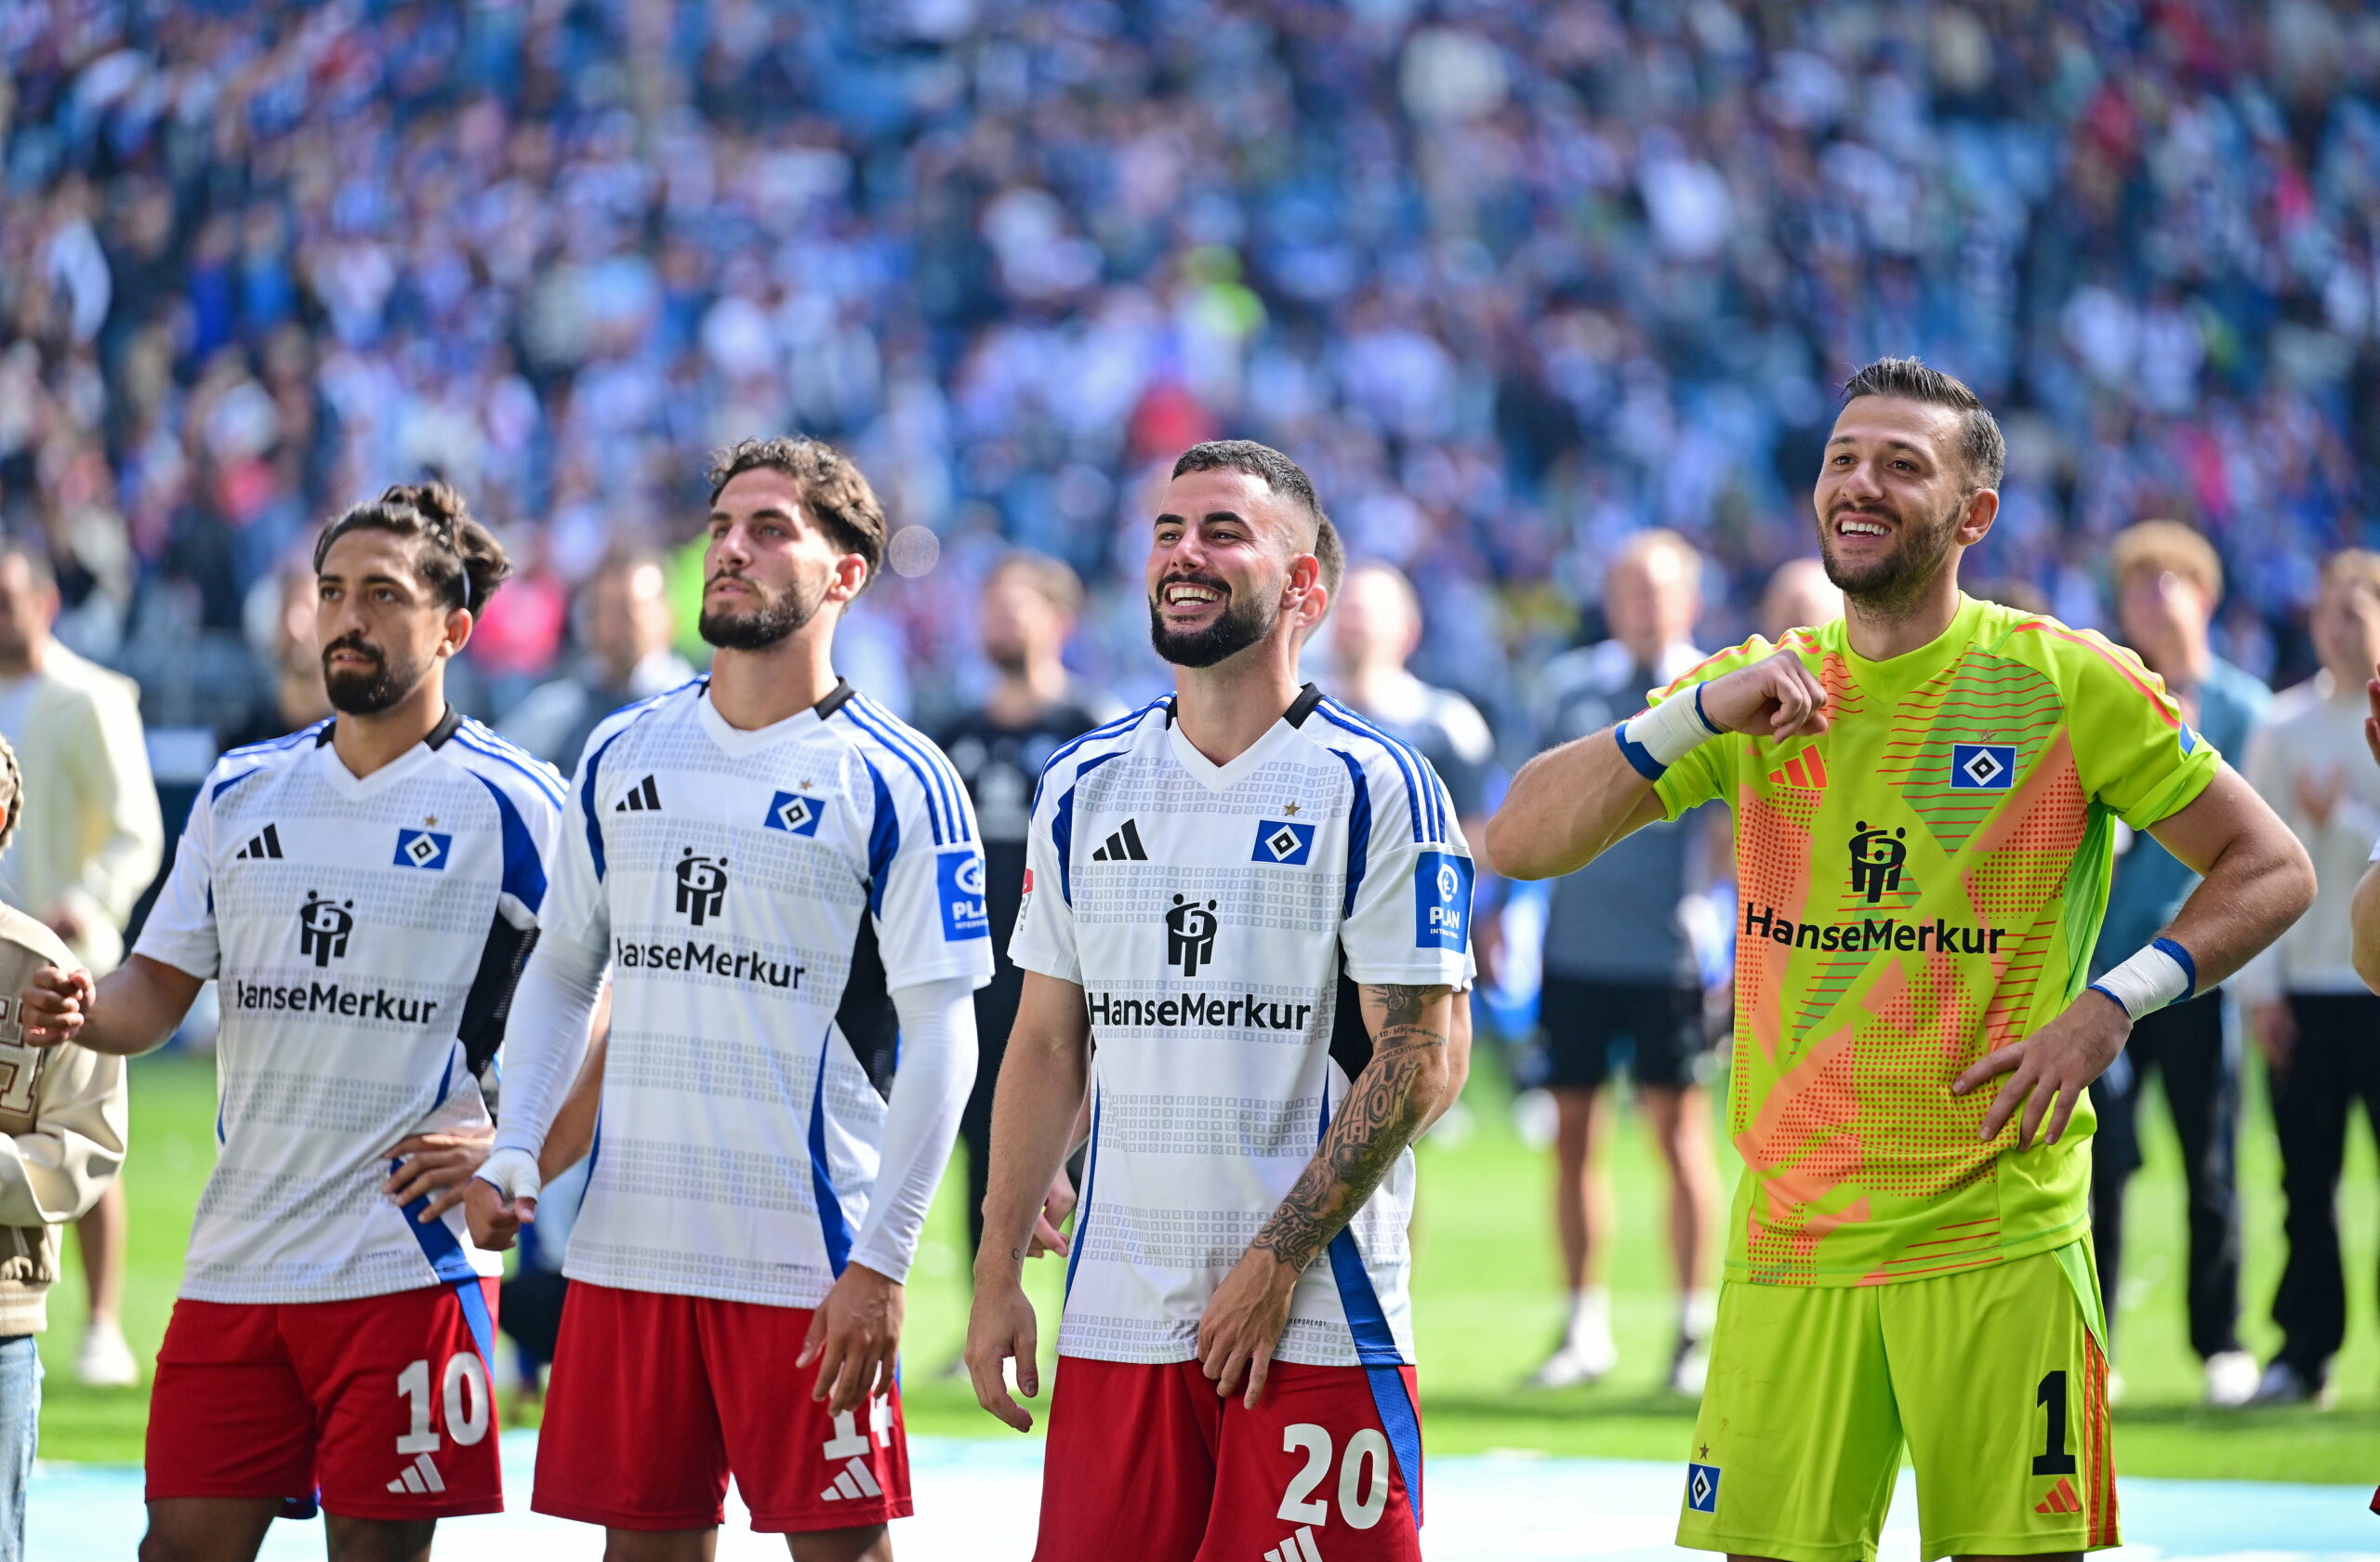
[2185, 1043]
[995, 1013]
[2335, 1065]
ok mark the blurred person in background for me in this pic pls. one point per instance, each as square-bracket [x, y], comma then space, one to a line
[2168, 584]
[624, 623]
[1375, 629]
[76, 729]
[2312, 1018]
[1623, 981]
[2009, 591]
[1026, 614]
[63, 1118]
[1798, 596]
[293, 663]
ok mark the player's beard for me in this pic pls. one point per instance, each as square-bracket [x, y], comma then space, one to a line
[760, 627]
[1237, 628]
[1887, 586]
[368, 692]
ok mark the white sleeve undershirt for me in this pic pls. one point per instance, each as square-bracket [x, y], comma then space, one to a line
[545, 1040]
[929, 1093]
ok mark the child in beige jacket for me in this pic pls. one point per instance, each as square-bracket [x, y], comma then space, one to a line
[62, 1114]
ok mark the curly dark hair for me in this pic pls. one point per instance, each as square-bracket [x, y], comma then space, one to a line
[834, 491]
[460, 560]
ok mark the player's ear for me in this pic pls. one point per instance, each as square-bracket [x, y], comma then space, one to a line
[1976, 516]
[457, 632]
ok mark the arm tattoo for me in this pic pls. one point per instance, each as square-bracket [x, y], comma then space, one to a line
[1374, 1124]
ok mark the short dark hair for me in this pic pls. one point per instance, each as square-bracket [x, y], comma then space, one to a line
[1280, 474]
[1981, 444]
[460, 560]
[1331, 552]
[833, 489]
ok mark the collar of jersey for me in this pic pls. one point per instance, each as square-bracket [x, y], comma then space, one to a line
[1222, 779]
[1909, 668]
[353, 785]
[736, 741]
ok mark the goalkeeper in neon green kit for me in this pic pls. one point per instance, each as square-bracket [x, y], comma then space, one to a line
[1925, 796]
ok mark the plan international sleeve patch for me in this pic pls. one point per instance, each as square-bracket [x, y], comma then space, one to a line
[959, 885]
[1441, 900]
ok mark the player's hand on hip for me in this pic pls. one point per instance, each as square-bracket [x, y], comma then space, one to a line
[55, 1003]
[1243, 1322]
[501, 1198]
[440, 1165]
[854, 1339]
[1048, 1227]
[2049, 1070]
[1000, 1329]
[1775, 697]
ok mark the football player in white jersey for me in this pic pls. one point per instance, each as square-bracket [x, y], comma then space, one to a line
[782, 876]
[365, 891]
[1258, 907]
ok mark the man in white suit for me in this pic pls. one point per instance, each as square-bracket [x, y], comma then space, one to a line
[76, 729]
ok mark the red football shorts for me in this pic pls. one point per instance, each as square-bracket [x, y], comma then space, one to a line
[654, 1398]
[380, 1404]
[1148, 1462]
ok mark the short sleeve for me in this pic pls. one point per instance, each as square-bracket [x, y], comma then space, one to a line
[926, 887]
[2132, 749]
[575, 908]
[1043, 940]
[181, 931]
[1409, 917]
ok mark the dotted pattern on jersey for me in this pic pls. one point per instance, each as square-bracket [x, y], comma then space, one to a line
[1772, 869]
[326, 1102]
[1979, 698]
[1285, 899]
[2026, 859]
[683, 747]
[704, 1175]
[385, 898]
[247, 1194]
[1109, 1337]
[759, 861]
[1156, 784]
[1216, 1125]
[717, 1067]
[1171, 1238]
[302, 1279]
[715, 1274]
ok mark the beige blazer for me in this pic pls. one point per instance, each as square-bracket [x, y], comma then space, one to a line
[93, 836]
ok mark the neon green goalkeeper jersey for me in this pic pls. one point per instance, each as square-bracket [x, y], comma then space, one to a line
[1917, 886]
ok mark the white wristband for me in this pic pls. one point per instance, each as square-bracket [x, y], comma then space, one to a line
[2157, 975]
[512, 1173]
[1666, 734]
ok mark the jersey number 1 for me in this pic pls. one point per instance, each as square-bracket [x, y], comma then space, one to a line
[2053, 1459]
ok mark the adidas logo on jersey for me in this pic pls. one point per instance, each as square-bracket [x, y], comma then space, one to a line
[2061, 1499]
[855, 1481]
[263, 845]
[420, 1478]
[1806, 770]
[1123, 846]
[1299, 1547]
[642, 797]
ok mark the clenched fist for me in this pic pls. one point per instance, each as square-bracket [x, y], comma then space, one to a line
[54, 1005]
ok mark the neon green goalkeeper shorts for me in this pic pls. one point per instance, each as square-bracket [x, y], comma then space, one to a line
[1996, 1379]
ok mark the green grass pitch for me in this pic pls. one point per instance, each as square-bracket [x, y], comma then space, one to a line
[1486, 1300]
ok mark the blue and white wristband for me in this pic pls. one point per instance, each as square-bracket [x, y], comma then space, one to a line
[1658, 739]
[2160, 974]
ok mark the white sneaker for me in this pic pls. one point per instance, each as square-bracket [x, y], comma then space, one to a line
[105, 1359]
[1572, 1365]
[2231, 1378]
[1690, 1371]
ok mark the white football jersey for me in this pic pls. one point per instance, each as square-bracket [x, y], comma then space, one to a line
[366, 935]
[1218, 920]
[759, 895]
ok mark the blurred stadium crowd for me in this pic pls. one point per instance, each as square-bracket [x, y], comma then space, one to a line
[1513, 281]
